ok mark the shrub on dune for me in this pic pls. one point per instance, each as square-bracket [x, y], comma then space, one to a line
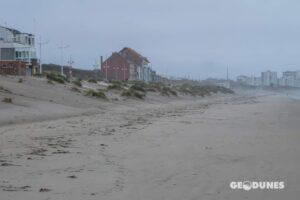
[97, 94]
[115, 86]
[138, 87]
[56, 77]
[7, 100]
[92, 81]
[133, 93]
[77, 83]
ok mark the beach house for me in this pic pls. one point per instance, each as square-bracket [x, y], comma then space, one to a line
[17, 49]
[127, 64]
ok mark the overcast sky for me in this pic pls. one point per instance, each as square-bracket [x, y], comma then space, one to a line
[195, 37]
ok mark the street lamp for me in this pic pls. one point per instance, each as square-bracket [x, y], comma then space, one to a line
[62, 47]
[105, 67]
[41, 44]
[70, 62]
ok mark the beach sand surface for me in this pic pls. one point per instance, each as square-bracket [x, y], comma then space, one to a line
[160, 149]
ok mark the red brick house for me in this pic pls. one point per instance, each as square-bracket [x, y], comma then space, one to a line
[126, 65]
[115, 68]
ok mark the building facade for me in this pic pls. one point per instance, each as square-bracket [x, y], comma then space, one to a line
[269, 78]
[249, 81]
[127, 64]
[290, 79]
[116, 68]
[18, 46]
[16, 68]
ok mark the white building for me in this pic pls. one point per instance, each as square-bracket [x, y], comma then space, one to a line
[16, 46]
[290, 79]
[242, 79]
[269, 78]
[250, 81]
[256, 81]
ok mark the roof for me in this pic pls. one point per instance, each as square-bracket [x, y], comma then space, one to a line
[15, 31]
[115, 56]
[133, 56]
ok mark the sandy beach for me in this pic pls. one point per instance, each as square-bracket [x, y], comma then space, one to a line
[56, 144]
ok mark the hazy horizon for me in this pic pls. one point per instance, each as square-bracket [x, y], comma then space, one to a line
[195, 38]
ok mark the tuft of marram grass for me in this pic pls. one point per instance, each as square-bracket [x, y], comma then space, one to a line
[92, 81]
[204, 90]
[7, 100]
[167, 91]
[139, 87]
[115, 86]
[4, 90]
[97, 94]
[77, 83]
[56, 77]
[133, 93]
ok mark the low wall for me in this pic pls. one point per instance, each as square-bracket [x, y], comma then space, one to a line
[17, 68]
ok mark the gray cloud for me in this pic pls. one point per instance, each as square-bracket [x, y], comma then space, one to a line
[197, 37]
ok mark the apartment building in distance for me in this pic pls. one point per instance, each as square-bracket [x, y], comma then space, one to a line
[290, 79]
[17, 49]
[250, 81]
[269, 78]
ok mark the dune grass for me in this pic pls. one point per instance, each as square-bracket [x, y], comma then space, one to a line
[7, 100]
[56, 77]
[97, 94]
[77, 83]
[92, 81]
[133, 93]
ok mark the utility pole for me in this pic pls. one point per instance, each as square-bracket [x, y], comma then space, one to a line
[62, 47]
[227, 74]
[70, 62]
[41, 44]
[104, 66]
[228, 84]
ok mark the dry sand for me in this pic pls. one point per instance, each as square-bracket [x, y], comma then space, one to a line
[161, 149]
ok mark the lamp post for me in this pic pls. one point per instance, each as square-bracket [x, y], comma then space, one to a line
[62, 47]
[105, 67]
[70, 62]
[41, 44]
